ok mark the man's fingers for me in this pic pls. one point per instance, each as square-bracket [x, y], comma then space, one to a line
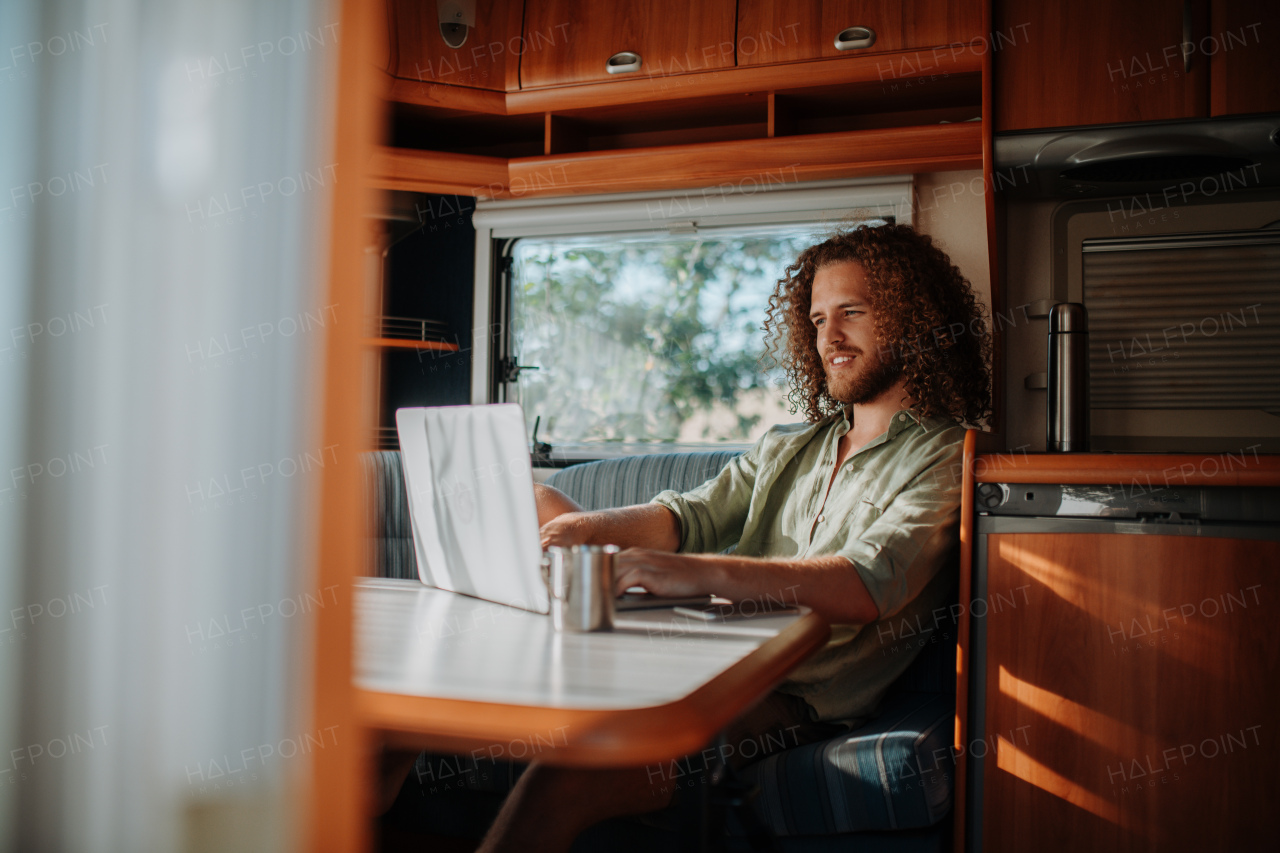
[625, 578]
[628, 571]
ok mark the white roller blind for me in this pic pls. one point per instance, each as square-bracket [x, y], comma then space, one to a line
[1187, 322]
[771, 200]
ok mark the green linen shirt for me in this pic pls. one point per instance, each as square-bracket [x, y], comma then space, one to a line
[893, 512]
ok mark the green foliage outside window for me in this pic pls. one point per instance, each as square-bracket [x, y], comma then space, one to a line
[649, 339]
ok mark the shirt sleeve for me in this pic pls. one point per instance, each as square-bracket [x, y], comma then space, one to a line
[913, 537]
[712, 516]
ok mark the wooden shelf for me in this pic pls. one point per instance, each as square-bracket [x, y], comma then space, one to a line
[881, 69]
[401, 343]
[437, 172]
[1145, 470]
[780, 160]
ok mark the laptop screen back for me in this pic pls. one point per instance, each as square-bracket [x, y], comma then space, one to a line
[470, 484]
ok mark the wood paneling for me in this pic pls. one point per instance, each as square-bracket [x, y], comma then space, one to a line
[1244, 40]
[489, 59]
[1132, 703]
[1239, 468]
[772, 31]
[1096, 62]
[338, 796]
[569, 41]
[616, 738]
[782, 160]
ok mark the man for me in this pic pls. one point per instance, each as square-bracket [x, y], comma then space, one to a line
[853, 513]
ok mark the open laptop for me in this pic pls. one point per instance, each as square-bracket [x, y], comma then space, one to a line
[469, 480]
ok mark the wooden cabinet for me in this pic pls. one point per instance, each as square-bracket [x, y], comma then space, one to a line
[488, 59]
[570, 41]
[1097, 62]
[771, 31]
[1131, 697]
[1244, 61]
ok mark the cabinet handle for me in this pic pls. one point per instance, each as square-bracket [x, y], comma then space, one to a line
[855, 38]
[623, 63]
[1186, 36]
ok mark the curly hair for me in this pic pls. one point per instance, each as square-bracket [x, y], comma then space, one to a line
[926, 319]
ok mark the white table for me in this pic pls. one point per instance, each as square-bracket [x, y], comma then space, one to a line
[438, 670]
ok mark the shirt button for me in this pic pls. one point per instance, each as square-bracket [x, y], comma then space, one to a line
[822, 518]
[902, 417]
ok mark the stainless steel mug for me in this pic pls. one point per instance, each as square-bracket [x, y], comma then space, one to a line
[580, 583]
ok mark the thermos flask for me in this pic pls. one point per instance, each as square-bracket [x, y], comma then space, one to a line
[1068, 378]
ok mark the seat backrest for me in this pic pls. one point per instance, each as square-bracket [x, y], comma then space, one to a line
[934, 669]
[389, 531]
[637, 479]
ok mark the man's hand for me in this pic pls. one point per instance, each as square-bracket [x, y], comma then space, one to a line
[566, 530]
[662, 573]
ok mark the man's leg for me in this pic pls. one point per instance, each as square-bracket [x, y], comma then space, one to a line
[550, 806]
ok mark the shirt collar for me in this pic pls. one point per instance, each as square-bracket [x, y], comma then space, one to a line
[902, 419]
[899, 420]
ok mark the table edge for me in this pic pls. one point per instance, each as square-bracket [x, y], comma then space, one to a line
[585, 737]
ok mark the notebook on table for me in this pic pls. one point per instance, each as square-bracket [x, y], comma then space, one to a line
[469, 479]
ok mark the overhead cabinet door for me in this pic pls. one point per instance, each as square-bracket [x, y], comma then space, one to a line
[442, 43]
[771, 31]
[586, 41]
[1099, 62]
[1243, 56]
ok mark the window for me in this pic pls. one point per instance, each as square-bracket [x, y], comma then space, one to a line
[642, 312]
[650, 338]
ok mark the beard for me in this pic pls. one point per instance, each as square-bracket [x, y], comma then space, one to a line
[874, 376]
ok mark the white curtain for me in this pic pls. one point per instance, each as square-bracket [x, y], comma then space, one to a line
[164, 174]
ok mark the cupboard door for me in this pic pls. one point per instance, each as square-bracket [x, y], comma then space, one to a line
[670, 37]
[488, 59]
[1096, 62]
[1243, 56]
[1131, 695]
[771, 31]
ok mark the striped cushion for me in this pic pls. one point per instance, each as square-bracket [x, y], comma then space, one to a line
[389, 530]
[637, 479]
[895, 773]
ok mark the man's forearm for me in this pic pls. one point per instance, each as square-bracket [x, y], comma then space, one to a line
[830, 585]
[644, 526]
